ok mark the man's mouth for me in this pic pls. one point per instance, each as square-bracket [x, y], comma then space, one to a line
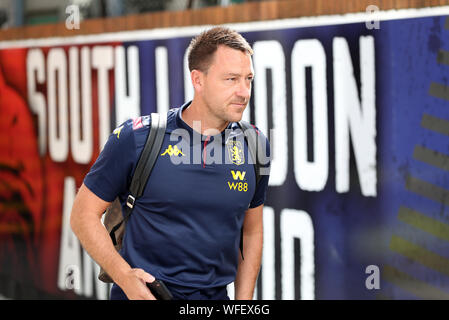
[240, 104]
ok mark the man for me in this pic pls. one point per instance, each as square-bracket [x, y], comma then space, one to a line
[185, 229]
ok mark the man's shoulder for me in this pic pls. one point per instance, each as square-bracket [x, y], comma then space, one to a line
[130, 132]
[145, 121]
[245, 125]
[141, 123]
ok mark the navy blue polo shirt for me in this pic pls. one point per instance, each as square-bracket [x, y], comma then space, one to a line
[185, 229]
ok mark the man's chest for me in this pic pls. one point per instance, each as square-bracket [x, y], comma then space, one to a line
[214, 175]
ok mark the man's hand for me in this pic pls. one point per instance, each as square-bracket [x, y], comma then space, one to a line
[133, 283]
[86, 223]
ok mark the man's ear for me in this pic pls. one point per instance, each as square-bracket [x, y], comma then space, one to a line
[197, 80]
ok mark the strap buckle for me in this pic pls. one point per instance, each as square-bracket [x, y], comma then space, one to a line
[130, 201]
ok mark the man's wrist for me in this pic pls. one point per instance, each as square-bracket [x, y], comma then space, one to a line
[120, 272]
[245, 293]
[247, 296]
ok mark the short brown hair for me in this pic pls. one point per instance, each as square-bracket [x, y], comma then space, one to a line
[203, 46]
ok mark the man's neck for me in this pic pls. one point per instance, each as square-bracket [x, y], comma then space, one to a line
[197, 111]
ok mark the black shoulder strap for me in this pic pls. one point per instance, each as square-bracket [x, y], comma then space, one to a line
[149, 154]
[252, 139]
[144, 166]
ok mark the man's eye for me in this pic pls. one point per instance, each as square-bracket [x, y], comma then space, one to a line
[230, 79]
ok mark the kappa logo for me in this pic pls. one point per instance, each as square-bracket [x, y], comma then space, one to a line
[235, 151]
[172, 151]
[117, 131]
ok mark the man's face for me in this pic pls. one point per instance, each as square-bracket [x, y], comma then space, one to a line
[227, 84]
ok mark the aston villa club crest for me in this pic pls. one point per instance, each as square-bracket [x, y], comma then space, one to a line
[235, 151]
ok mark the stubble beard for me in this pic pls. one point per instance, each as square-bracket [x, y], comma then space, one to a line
[223, 113]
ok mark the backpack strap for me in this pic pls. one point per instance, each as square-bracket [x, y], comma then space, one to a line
[144, 166]
[252, 139]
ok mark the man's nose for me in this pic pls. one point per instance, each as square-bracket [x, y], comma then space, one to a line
[244, 89]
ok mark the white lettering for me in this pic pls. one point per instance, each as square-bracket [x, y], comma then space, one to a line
[271, 57]
[188, 86]
[268, 256]
[36, 100]
[297, 224]
[354, 117]
[310, 175]
[127, 103]
[69, 252]
[71, 256]
[81, 137]
[90, 272]
[102, 60]
[57, 99]
[162, 94]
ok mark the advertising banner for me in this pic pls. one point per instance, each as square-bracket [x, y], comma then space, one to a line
[357, 113]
